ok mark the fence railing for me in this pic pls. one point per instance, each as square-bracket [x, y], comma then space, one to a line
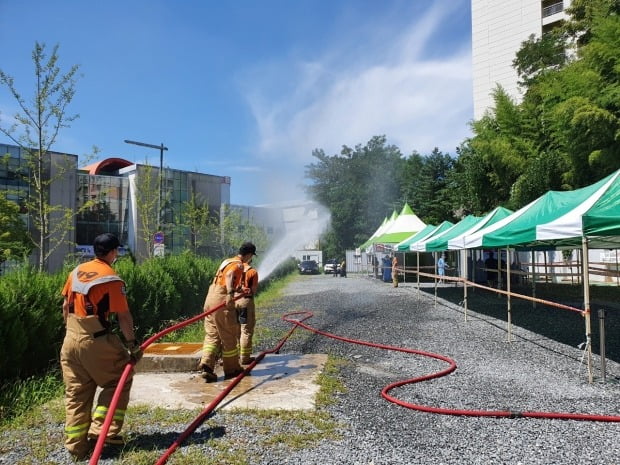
[553, 9]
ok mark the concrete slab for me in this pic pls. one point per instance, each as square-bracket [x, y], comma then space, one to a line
[279, 381]
[170, 357]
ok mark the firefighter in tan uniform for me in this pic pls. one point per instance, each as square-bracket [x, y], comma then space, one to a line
[394, 271]
[247, 312]
[222, 329]
[91, 355]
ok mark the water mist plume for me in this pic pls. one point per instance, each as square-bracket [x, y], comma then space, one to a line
[299, 234]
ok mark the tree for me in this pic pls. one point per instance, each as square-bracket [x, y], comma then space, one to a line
[538, 55]
[35, 129]
[199, 222]
[146, 186]
[359, 187]
[14, 242]
[432, 196]
[235, 230]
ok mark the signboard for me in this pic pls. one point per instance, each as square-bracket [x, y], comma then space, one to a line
[158, 238]
[159, 250]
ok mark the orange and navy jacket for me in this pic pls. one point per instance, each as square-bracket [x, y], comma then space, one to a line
[93, 288]
[234, 264]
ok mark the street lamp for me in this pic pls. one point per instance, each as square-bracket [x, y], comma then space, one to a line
[161, 173]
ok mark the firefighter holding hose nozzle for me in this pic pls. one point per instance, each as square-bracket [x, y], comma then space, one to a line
[222, 329]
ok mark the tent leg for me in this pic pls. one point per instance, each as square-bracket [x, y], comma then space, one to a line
[435, 258]
[586, 306]
[463, 255]
[508, 300]
[533, 278]
[418, 273]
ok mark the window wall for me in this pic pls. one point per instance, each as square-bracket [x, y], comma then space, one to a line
[102, 205]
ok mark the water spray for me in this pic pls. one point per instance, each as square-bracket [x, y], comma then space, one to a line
[298, 235]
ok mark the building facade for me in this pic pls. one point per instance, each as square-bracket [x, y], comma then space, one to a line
[108, 196]
[499, 27]
[117, 196]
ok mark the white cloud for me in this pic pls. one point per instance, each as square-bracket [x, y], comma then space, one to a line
[354, 93]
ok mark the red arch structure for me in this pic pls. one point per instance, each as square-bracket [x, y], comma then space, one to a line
[107, 165]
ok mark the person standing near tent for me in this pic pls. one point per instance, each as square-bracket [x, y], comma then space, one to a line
[394, 271]
[247, 312]
[441, 267]
[222, 329]
[491, 268]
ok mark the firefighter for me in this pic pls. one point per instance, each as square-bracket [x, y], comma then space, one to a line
[222, 329]
[247, 312]
[91, 355]
[394, 271]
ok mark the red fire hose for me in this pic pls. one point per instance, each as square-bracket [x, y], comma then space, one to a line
[299, 322]
[94, 459]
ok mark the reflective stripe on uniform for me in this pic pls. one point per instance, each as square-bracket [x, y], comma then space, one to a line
[231, 353]
[77, 431]
[101, 411]
[210, 349]
[83, 288]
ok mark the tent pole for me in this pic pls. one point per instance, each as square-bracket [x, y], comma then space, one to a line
[617, 275]
[435, 259]
[533, 278]
[586, 306]
[418, 273]
[465, 280]
[509, 301]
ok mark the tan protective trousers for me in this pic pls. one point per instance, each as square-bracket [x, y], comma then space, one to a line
[221, 333]
[86, 363]
[247, 329]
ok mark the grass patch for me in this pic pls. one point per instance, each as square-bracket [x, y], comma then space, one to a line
[18, 399]
[329, 383]
[220, 452]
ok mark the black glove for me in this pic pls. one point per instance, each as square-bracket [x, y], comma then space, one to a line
[135, 352]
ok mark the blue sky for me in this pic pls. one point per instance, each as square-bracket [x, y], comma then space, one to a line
[248, 89]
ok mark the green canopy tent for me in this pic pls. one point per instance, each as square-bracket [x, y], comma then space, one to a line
[441, 242]
[588, 217]
[387, 222]
[404, 245]
[556, 219]
[406, 224]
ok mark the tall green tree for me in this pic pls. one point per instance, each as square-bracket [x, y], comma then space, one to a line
[35, 128]
[360, 187]
[431, 199]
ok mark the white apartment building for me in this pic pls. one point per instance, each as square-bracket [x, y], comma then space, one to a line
[499, 27]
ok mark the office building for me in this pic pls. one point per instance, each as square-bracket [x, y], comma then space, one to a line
[499, 27]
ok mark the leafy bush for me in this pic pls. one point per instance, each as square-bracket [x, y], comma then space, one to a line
[159, 291]
[31, 326]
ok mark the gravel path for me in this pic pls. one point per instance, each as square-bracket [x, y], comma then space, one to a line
[532, 373]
